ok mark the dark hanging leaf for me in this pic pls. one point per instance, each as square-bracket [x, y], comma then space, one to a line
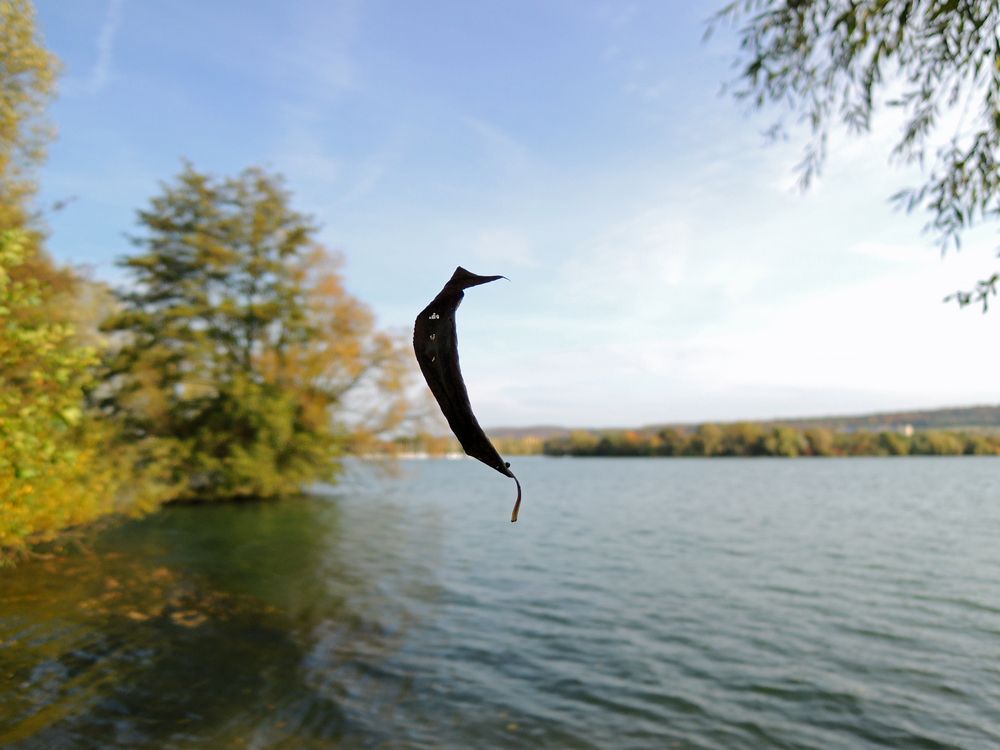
[435, 342]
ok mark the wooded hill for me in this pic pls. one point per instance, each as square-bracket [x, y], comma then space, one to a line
[950, 418]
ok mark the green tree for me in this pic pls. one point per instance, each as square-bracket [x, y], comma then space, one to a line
[833, 62]
[980, 445]
[742, 439]
[820, 442]
[582, 442]
[859, 443]
[243, 359]
[706, 441]
[671, 442]
[893, 443]
[784, 441]
[937, 443]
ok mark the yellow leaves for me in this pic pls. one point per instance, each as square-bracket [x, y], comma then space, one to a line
[348, 370]
[188, 618]
[27, 77]
[71, 415]
[55, 470]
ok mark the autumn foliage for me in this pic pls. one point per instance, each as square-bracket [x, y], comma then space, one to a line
[233, 364]
[241, 359]
[55, 472]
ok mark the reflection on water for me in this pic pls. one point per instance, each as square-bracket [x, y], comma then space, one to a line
[235, 626]
[638, 603]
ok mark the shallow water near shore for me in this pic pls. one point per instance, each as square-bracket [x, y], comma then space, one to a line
[638, 603]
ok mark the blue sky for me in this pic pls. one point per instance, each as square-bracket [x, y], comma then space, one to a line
[663, 268]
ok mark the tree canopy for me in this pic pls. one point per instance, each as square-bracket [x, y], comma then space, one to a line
[55, 471]
[242, 355]
[27, 82]
[831, 62]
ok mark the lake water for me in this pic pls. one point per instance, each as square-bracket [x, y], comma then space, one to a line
[638, 603]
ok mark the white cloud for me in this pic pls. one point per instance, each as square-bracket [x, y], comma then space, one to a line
[303, 154]
[893, 252]
[616, 14]
[502, 149]
[101, 72]
[373, 168]
[681, 313]
[637, 258]
[889, 336]
[504, 244]
[316, 58]
[666, 271]
[882, 344]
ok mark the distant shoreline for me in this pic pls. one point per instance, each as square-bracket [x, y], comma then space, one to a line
[737, 439]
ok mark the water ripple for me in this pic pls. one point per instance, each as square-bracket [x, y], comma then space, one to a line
[638, 604]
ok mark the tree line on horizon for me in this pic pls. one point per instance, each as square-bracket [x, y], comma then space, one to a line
[749, 439]
[738, 439]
